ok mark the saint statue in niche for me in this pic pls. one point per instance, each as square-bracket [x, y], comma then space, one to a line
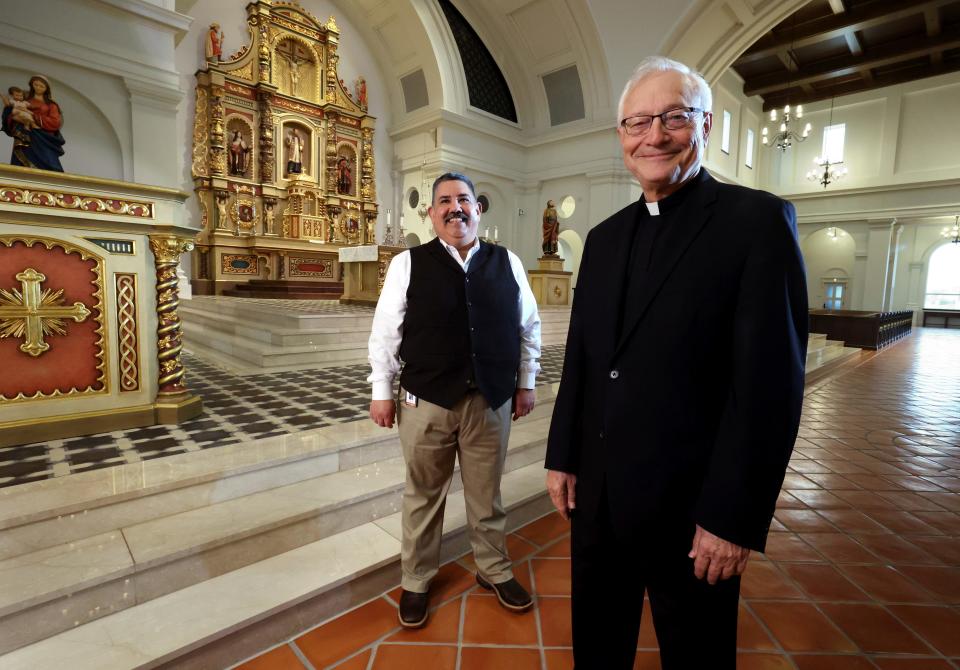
[213, 45]
[239, 154]
[344, 176]
[294, 152]
[33, 120]
[551, 229]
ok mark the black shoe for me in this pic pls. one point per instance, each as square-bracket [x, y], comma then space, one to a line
[413, 609]
[510, 594]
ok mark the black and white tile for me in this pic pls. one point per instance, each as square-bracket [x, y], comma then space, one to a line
[236, 409]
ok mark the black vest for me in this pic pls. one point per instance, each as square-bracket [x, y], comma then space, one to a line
[461, 330]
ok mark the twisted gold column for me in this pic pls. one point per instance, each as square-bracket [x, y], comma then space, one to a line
[166, 251]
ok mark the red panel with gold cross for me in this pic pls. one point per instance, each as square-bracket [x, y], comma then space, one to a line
[52, 325]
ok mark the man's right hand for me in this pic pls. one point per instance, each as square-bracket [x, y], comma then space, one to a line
[383, 412]
[562, 489]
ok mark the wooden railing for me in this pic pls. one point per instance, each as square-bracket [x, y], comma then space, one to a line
[941, 318]
[864, 329]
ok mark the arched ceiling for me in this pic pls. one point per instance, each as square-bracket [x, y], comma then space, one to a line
[530, 39]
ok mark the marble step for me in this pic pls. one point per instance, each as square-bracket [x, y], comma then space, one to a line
[830, 359]
[251, 311]
[42, 514]
[292, 590]
[214, 325]
[46, 591]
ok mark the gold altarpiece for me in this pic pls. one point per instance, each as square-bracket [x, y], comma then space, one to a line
[261, 218]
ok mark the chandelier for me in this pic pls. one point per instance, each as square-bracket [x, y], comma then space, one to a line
[785, 138]
[827, 171]
[952, 232]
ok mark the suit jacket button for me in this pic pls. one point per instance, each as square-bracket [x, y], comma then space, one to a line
[614, 374]
[601, 434]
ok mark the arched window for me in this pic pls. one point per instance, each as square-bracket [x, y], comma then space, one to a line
[943, 278]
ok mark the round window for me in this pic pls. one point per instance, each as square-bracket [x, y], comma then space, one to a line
[413, 199]
[567, 205]
[484, 203]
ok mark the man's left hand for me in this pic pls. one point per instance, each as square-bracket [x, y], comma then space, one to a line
[715, 558]
[523, 402]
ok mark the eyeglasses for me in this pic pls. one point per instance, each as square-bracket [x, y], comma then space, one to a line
[672, 119]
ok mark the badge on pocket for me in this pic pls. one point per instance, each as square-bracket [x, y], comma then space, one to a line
[409, 399]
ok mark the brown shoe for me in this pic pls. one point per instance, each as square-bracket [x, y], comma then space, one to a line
[413, 609]
[510, 594]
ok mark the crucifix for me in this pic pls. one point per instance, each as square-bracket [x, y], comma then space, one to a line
[33, 314]
[293, 54]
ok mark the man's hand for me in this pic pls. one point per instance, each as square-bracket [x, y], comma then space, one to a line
[383, 412]
[562, 488]
[716, 558]
[523, 402]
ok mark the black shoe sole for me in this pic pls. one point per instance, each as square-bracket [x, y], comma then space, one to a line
[513, 608]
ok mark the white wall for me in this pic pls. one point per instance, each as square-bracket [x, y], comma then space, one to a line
[112, 73]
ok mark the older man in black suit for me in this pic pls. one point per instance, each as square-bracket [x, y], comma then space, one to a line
[681, 391]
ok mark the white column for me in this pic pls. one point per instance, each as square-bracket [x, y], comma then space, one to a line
[153, 114]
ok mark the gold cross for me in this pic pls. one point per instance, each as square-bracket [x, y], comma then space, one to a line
[33, 314]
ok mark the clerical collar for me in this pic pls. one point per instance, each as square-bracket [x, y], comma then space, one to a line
[675, 199]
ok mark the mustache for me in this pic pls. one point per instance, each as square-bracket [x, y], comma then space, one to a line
[456, 215]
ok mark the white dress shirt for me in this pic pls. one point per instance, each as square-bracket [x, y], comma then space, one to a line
[387, 333]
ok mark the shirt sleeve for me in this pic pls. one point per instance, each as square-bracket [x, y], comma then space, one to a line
[387, 331]
[529, 327]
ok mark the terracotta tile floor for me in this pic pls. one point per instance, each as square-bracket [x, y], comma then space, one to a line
[862, 569]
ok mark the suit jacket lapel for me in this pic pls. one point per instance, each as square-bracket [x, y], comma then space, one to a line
[687, 223]
[617, 260]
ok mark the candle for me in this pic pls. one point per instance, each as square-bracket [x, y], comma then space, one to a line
[486, 233]
[388, 218]
[401, 222]
[496, 233]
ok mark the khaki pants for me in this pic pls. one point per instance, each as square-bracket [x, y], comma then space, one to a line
[432, 438]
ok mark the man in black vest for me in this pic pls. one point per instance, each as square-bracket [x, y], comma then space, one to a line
[460, 315]
[681, 390]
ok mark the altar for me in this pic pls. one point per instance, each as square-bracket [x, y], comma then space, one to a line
[90, 335]
[283, 160]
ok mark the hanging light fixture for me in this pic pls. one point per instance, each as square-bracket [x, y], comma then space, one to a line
[786, 136]
[952, 232]
[827, 171]
[424, 186]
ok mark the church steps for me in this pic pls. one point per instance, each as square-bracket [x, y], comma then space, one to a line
[217, 324]
[138, 562]
[255, 312]
[310, 583]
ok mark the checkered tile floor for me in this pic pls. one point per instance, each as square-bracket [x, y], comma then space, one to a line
[236, 409]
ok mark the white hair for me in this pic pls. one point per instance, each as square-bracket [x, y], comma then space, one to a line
[696, 90]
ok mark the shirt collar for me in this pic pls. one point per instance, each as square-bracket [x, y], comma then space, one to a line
[456, 253]
[673, 200]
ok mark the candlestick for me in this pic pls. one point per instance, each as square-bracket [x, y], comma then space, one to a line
[496, 234]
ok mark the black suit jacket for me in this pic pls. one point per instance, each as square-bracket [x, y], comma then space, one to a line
[690, 415]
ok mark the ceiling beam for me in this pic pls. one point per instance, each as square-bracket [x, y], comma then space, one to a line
[931, 17]
[838, 25]
[839, 66]
[778, 101]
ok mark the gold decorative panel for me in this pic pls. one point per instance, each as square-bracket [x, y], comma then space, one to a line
[128, 350]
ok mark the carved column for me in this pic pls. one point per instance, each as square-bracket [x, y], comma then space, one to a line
[368, 189]
[267, 153]
[263, 50]
[333, 40]
[218, 156]
[166, 252]
[331, 181]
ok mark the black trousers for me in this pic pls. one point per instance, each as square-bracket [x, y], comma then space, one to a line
[695, 623]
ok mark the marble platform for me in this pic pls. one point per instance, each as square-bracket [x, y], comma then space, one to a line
[108, 542]
[250, 336]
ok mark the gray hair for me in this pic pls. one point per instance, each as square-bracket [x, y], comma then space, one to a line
[452, 176]
[696, 90]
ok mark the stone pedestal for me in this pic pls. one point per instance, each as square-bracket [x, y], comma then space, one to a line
[364, 269]
[550, 283]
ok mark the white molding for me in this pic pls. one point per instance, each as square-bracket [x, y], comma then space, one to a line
[179, 23]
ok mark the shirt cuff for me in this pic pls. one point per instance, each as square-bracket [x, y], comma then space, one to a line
[526, 380]
[383, 390]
